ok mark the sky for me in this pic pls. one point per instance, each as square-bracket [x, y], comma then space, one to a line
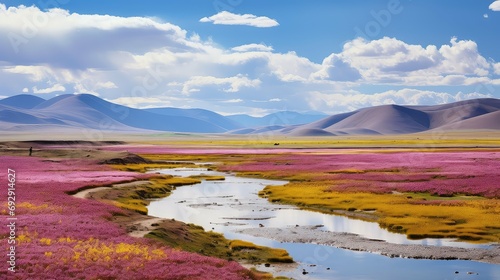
[252, 56]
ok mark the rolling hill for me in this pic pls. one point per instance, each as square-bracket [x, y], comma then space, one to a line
[89, 111]
[69, 112]
[283, 118]
[24, 101]
[200, 114]
[481, 114]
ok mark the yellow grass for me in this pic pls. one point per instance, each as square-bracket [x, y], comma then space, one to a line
[136, 198]
[208, 177]
[421, 140]
[266, 253]
[471, 220]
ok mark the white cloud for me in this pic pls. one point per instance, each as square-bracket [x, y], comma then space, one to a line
[391, 61]
[35, 73]
[141, 102]
[253, 47]
[26, 90]
[335, 68]
[486, 16]
[337, 103]
[228, 18]
[143, 59]
[233, 101]
[496, 67]
[56, 36]
[232, 84]
[495, 6]
[80, 88]
[106, 85]
[290, 67]
[462, 57]
[54, 88]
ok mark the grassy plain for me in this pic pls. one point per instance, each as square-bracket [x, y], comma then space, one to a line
[421, 185]
[447, 189]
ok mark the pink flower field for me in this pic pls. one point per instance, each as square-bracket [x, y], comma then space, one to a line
[439, 173]
[62, 237]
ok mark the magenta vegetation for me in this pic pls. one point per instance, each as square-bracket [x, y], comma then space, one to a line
[62, 237]
[439, 173]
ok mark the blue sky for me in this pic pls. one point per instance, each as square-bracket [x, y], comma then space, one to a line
[253, 56]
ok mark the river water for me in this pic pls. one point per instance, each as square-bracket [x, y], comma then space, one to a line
[233, 204]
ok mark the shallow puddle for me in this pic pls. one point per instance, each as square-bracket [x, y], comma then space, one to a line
[233, 204]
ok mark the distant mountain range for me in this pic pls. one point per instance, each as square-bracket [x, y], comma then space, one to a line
[24, 112]
[28, 112]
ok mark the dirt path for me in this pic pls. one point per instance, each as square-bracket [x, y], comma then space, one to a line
[137, 225]
[87, 192]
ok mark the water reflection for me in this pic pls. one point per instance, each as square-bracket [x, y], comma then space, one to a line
[233, 204]
[229, 205]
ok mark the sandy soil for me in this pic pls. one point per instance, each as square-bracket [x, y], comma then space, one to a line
[87, 193]
[357, 243]
[141, 227]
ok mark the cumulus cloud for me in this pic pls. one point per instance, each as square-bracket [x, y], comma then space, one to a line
[336, 103]
[335, 68]
[231, 84]
[106, 85]
[462, 57]
[73, 40]
[54, 88]
[495, 6]
[228, 18]
[141, 102]
[142, 59]
[253, 47]
[33, 73]
[290, 67]
[391, 61]
[233, 101]
[496, 68]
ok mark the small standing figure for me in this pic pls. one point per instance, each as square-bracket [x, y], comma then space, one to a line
[31, 150]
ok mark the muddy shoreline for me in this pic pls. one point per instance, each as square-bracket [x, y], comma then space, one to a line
[354, 242]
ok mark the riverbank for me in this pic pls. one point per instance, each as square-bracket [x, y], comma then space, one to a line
[435, 209]
[355, 242]
[136, 196]
[437, 194]
[63, 162]
[66, 237]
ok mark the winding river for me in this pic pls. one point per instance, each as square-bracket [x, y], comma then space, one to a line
[231, 205]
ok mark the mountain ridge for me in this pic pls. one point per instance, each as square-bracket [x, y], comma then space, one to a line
[23, 112]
